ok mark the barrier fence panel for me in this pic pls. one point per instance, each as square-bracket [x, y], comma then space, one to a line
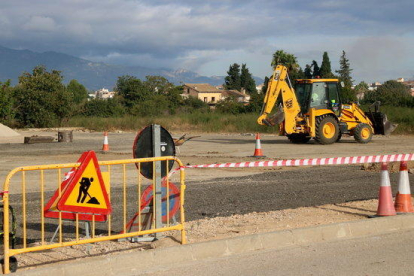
[52, 203]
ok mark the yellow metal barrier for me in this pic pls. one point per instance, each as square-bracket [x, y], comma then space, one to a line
[48, 171]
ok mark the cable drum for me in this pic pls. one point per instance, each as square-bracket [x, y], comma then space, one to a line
[143, 148]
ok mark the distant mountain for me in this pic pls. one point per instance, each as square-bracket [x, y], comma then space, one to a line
[93, 75]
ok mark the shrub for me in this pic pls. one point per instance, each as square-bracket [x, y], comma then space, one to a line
[103, 108]
[230, 106]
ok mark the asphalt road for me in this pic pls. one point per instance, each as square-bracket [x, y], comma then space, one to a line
[382, 255]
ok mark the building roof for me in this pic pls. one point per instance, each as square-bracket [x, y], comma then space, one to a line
[202, 87]
[234, 93]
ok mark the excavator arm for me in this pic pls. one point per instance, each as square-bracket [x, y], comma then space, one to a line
[278, 86]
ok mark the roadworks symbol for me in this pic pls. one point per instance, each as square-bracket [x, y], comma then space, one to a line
[84, 186]
[86, 192]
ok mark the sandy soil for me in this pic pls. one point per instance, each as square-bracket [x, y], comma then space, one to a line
[232, 217]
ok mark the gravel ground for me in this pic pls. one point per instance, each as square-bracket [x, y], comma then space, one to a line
[220, 203]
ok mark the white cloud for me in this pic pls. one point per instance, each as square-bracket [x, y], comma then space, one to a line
[40, 23]
[210, 35]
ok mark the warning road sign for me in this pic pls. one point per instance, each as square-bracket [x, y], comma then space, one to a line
[86, 192]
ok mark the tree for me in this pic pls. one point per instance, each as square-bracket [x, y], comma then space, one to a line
[41, 98]
[325, 70]
[316, 70]
[391, 93]
[233, 80]
[78, 91]
[347, 94]
[286, 59]
[290, 62]
[230, 106]
[174, 98]
[6, 102]
[308, 71]
[361, 87]
[265, 85]
[345, 70]
[103, 108]
[158, 84]
[246, 80]
[131, 90]
[255, 103]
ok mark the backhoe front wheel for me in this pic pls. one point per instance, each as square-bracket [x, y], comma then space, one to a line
[363, 133]
[326, 130]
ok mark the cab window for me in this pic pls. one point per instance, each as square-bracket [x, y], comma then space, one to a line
[333, 92]
[318, 98]
[303, 91]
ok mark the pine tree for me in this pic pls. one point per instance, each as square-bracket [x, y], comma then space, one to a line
[308, 71]
[316, 70]
[265, 85]
[325, 70]
[347, 93]
[233, 80]
[247, 81]
[345, 70]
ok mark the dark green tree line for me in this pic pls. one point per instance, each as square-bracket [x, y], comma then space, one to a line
[240, 78]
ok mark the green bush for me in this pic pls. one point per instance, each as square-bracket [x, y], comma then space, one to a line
[193, 104]
[391, 93]
[103, 108]
[6, 102]
[230, 106]
[40, 99]
[155, 106]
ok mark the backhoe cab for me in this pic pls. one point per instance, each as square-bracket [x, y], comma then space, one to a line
[313, 109]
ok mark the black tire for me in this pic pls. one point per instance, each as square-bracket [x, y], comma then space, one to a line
[326, 130]
[339, 137]
[298, 138]
[12, 264]
[363, 133]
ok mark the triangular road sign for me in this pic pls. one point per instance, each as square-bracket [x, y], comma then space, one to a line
[86, 192]
[50, 209]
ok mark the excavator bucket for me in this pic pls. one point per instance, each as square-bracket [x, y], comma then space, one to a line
[381, 123]
[277, 118]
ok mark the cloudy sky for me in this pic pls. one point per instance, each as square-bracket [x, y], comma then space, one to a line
[207, 36]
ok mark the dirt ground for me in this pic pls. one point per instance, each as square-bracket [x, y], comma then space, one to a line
[224, 202]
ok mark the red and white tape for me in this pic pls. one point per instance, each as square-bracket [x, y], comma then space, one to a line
[310, 162]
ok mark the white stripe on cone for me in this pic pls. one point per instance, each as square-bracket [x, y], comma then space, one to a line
[385, 178]
[258, 145]
[105, 146]
[403, 184]
[385, 203]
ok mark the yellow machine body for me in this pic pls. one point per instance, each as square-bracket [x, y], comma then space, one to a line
[314, 110]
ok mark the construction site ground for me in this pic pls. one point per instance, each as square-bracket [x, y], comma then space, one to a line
[227, 202]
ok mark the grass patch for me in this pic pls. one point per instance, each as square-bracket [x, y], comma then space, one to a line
[403, 116]
[218, 122]
[195, 122]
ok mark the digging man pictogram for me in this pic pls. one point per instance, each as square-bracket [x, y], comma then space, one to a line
[85, 184]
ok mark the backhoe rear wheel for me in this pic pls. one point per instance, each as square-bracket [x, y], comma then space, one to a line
[326, 129]
[297, 138]
[363, 133]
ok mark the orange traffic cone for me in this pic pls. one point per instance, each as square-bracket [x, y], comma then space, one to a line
[403, 202]
[385, 204]
[105, 146]
[258, 149]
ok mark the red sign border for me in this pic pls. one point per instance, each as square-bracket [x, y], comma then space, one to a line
[61, 206]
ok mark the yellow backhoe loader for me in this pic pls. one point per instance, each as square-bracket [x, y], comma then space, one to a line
[313, 109]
